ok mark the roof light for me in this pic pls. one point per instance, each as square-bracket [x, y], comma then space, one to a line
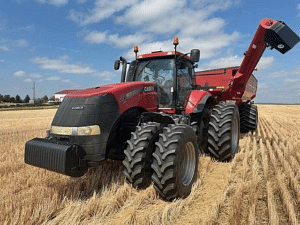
[175, 41]
[136, 48]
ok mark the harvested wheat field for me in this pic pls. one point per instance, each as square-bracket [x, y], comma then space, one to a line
[261, 185]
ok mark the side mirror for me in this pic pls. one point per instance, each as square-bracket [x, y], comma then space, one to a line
[117, 65]
[195, 55]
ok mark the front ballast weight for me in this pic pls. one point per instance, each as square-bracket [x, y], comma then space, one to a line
[60, 157]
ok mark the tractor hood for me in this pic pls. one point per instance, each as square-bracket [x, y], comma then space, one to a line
[126, 94]
[114, 89]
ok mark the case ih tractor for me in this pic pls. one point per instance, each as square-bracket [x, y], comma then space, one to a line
[160, 117]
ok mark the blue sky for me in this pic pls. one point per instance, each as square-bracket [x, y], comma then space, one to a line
[71, 44]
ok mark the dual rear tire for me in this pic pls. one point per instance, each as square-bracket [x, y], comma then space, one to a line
[175, 162]
[167, 156]
[138, 154]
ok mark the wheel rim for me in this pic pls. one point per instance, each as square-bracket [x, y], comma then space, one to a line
[188, 164]
[235, 135]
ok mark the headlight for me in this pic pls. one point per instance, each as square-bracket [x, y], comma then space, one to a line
[61, 130]
[80, 131]
[90, 130]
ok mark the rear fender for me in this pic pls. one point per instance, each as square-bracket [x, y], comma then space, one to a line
[160, 117]
[197, 100]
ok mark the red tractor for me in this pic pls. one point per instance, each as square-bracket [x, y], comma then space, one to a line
[160, 117]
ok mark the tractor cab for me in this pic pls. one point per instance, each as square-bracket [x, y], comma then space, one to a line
[171, 71]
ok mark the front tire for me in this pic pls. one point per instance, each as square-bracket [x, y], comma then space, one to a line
[138, 154]
[175, 162]
[224, 132]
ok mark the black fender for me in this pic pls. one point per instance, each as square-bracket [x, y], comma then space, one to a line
[206, 100]
[121, 132]
[158, 117]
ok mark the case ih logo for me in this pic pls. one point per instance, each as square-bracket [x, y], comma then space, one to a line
[149, 88]
[78, 108]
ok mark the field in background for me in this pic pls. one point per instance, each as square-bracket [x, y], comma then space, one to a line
[261, 185]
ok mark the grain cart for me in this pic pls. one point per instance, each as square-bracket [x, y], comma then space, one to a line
[159, 117]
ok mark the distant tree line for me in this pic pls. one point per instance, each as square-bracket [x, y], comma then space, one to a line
[18, 99]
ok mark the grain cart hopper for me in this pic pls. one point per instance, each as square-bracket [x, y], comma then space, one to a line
[159, 117]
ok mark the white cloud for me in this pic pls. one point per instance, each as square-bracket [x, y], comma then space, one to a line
[292, 80]
[106, 75]
[54, 2]
[96, 37]
[285, 73]
[62, 65]
[174, 16]
[54, 78]
[8, 44]
[102, 10]
[156, 22]
[268, 92]
[67, 49]
[209, 46]
[66, 81]
[231, 61]
[146, 12]
[22, 43]
[263, 86]
[19, 74]
[27, 28]
[35, 75]
[265, 63]
[27, 80]
[4, 48]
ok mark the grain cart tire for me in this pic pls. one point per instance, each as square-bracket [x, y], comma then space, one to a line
[224, 132]
[138, 154]
[175, 162]
[249, 117]
[200, 128]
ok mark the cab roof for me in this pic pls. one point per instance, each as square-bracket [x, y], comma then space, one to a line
[160, 54]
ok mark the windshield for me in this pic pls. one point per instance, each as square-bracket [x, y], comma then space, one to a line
[161, 72]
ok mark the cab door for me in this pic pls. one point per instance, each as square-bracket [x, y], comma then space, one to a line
[185, 74]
